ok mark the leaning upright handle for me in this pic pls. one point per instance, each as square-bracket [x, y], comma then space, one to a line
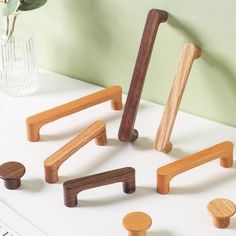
[162, 142]
[35, 122]
[127, 131]
[224, 151]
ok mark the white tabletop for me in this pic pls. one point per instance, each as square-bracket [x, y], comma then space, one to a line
[182, 212]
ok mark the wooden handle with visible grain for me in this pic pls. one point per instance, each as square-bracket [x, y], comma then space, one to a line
[73, 187]
[224, 151]
[126, 130]
[162, 142]
[51, 165]
[35, 122]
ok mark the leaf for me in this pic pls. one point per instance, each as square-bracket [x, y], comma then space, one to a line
[9, 7]
[28, 5]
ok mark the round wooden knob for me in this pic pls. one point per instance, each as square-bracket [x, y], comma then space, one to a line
[137, 223]
[221, 210]
[11, 173]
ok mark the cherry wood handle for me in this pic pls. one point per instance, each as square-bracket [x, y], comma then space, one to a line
[127, 131]
[73, 187]
[35, 122]
[162, 142]
[224, 151]
[52, 164]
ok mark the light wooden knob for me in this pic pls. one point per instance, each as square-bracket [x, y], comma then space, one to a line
[11, 173]
[137, 223]
[221, 210]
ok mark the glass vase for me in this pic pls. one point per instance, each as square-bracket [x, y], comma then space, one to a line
[18, 72]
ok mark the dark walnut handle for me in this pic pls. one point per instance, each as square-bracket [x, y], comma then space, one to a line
[127, 131]
[73, 187]
[35, 122]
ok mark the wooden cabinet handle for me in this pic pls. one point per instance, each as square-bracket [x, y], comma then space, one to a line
[162, 142]
[51, 165]
[11, 172]
[73, 187]
[127, 131]
[224, 151]
[35, 122]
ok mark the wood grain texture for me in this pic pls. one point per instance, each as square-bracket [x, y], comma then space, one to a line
[52, 164]
[35, 122]
[73, 187]
[221, 210]
[162, 141]
[137, 223]
[11, 172]
[126, 130]
[224, 151]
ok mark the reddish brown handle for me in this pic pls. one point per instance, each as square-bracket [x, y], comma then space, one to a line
[73, 187]
[52, 164]
[35, 122]
[127, 131]
[224, 151]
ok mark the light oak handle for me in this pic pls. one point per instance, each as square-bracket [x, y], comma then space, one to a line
[35, 122]
[224, 151]
[73, 187]
[51, 165]
[126, 130]
[162, 142]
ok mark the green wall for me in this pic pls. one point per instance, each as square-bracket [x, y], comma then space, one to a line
[97, 41]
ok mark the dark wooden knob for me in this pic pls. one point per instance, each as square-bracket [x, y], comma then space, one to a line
[126, 130]
[73, 187]
[11, 173]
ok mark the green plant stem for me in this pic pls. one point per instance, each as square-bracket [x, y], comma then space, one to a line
[8, 25]
[12, 28]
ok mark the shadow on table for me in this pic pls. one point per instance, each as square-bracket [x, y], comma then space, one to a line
[160, 233]
[204, 185]
[232, 223]
[71, 132]
[143, 144]
[140, 192]
[100, 160]
[32, 185]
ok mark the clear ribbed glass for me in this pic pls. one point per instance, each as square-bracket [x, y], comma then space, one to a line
[17, 63]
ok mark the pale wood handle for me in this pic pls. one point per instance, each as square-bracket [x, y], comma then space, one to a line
[51, 165]
[162, 142]
[35, 122]
[73, 187]
[154, 19]
[224, 151]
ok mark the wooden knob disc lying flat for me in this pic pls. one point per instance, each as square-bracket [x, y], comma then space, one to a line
[221, 210]
[137, 223]
[11, 173]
